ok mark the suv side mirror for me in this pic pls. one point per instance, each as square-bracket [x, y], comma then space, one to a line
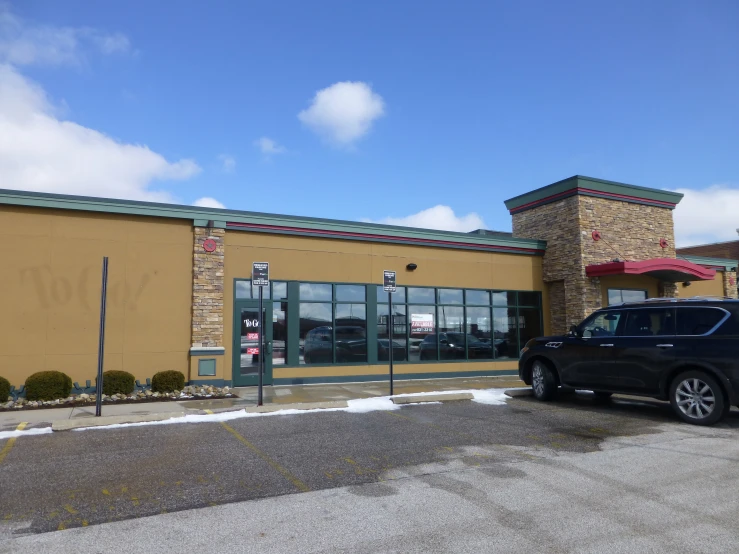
[573, 330]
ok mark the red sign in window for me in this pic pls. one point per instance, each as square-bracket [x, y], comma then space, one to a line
[252, 336]
[252, 350]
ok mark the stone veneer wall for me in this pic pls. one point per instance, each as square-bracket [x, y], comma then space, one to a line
[557, 318]
[629, 231]
[207, 289]
[730, 287]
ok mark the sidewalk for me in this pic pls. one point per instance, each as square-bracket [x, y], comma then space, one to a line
[282, 395]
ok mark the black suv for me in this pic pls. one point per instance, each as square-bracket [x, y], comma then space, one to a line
[682, 350]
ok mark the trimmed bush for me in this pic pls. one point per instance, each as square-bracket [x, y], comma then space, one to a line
[4, 389]
[48, 385]
[167, 381]
[117, 382]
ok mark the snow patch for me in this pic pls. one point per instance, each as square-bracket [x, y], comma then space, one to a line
[358, 406]
[494, 397]
[27, 432]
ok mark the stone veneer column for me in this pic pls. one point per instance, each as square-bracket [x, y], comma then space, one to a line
[630, 231]
[207, 289]
[730, 289]
[668, 290]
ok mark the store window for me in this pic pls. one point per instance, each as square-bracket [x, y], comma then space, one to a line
[619, 296]
[333, 324]
[326, 323]
[465, 324]
[422, 333]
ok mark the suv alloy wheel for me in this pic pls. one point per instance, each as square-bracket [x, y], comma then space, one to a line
[697, 398]
[543, 383]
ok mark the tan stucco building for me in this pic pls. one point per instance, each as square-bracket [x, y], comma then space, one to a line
[180, 295]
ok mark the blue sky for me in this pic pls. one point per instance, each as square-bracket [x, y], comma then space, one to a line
[419, 113]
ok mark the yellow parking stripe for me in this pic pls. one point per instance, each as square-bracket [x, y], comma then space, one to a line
[11, 441]
[272, 463]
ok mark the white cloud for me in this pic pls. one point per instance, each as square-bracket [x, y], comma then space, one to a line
[439, 217]
[708, 215]
[228, 163]
[41, 152]
[268, 147]
[208, 202]
[343, 112]
[25, 43]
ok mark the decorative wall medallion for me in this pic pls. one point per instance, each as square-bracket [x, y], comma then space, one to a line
[595, 235]
[209, 245]
[663, 243]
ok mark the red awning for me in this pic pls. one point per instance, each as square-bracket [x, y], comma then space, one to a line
[665, 269]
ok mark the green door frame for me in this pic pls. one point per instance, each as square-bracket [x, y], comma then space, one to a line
[252, 379]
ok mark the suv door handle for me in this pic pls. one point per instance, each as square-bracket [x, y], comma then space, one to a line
[606, 345]
[664, 346]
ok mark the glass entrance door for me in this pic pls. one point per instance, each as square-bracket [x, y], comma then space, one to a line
[248, 347]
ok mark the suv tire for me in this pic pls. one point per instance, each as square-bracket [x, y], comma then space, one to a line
[543, 382]
[697, 398]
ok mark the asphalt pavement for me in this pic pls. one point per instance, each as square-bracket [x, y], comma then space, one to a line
[457, 477]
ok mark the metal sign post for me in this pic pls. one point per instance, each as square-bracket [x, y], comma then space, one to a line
[260, 278]
[388, 279]
[101, 341]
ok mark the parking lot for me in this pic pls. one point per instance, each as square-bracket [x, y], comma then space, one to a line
[78, 479]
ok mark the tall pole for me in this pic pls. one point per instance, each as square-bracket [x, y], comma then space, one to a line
[390, 336]
[101, 340]
[260, 366]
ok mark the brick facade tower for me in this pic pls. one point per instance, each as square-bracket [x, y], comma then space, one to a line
[590, 222]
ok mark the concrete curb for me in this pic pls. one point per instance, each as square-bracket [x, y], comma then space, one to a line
[523, 391]
[69, 424]
[304, 406]
[450, 397]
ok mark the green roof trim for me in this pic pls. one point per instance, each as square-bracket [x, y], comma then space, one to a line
[725, 263]
[590, 186]
[280, 224]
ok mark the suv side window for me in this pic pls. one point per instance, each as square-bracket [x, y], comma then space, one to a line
[647, 322]
[601, 324]
[698, 321]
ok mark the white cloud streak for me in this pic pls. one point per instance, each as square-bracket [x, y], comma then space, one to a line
[228, 163]
[344, 112]
[268, 147]
[208, 202]
[439, 217]
[708, 215]
[40, 152]
[25, 43]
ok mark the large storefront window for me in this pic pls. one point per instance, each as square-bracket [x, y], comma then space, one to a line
[326, 323]
[399, 322]
[464, 324]
[334, 331]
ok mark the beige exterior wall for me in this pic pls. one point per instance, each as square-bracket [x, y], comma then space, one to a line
[294, 258]
[704, 288]
[50, 293]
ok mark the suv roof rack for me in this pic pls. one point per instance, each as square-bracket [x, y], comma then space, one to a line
[671, 299]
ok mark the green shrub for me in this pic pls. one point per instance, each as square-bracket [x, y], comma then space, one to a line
[167, 381]
[117, 382]
[48, 385]
[4, 389]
